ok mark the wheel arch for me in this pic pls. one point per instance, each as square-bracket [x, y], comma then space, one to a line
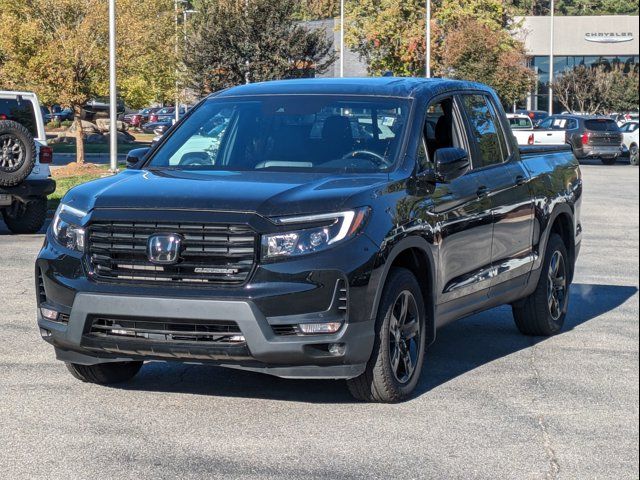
[414, 254]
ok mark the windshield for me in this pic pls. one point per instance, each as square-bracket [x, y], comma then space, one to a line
[313, 133]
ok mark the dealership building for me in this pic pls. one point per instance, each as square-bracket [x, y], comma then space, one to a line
[609, 40]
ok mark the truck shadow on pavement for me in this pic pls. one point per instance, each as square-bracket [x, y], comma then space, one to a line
[459, 349]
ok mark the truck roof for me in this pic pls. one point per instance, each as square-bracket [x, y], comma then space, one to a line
[380, 86]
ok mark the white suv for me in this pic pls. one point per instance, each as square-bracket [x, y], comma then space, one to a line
[25, 177]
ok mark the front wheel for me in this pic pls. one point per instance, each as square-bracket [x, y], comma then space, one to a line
[544, 311]
[105, 373]
[395, 365]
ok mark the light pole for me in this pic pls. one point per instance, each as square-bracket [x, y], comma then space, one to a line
[551, 58]
[428, 40]
[185, 17]
[176, 4]
[342, 49]
[247, 75]
[113, 93]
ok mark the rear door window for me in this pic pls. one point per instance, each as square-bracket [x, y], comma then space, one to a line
[601, 125]
[486, 130]
[20, 111]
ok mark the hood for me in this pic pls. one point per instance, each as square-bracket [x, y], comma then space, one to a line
[265, 193]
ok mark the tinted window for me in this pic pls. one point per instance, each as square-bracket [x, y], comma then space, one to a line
[520, 123]
[486, 130]
[546, 123]
[21, 112]
[629, 127]
[601, 125]
[309, 133]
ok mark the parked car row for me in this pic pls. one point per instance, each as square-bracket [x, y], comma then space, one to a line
[149, 119]
[589, 136]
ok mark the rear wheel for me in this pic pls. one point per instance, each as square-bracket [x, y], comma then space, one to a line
[633, 154]
[105, 373]
[544, 311]
[608, 160]
[395, 365]
[26, 218]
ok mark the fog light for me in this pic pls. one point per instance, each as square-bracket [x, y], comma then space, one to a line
[320, 328]
[45, 333]
[237, 338]
[337, 349]
[49, 314]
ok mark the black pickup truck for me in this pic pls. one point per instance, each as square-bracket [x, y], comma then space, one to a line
[312, 229]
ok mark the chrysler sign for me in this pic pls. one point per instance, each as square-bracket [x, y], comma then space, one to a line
[608, 37]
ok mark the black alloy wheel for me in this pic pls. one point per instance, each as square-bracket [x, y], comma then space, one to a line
[404, 337]
[557, 286]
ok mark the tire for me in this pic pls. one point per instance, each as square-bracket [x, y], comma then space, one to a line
[544, 311]
[609, 161]
[27, 219]
[17, 153]
[633, 155]
[105, 373]
[382, 382]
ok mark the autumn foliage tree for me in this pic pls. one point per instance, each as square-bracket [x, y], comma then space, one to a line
[474, 51]
[390, 36]
[59, 49]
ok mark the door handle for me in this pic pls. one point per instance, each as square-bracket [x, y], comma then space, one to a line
[482, 192]
[520, 180]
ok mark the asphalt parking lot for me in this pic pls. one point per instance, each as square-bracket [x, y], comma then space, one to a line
[492, 404]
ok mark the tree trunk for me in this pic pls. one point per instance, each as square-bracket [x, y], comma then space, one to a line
[79, 136]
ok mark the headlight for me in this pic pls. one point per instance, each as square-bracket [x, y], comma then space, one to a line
[329, 229]
[65, 231]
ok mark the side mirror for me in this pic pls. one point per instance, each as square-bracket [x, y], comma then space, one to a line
[134, 157]
[451, 163]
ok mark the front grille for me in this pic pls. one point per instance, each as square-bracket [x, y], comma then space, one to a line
[211, 253]
[167, 330]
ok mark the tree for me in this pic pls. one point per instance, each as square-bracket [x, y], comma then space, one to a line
[59, 49]
[623, 92]
[474, 51]
[390, 36]
[597, 90]
[234, 42]
[317, 9]
[576, 7]
[56, 48]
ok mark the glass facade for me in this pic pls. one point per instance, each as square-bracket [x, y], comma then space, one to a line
[540, 64]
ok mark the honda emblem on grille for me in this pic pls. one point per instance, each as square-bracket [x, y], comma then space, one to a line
[164, 249]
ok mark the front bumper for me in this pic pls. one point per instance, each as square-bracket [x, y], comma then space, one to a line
[284, 293]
